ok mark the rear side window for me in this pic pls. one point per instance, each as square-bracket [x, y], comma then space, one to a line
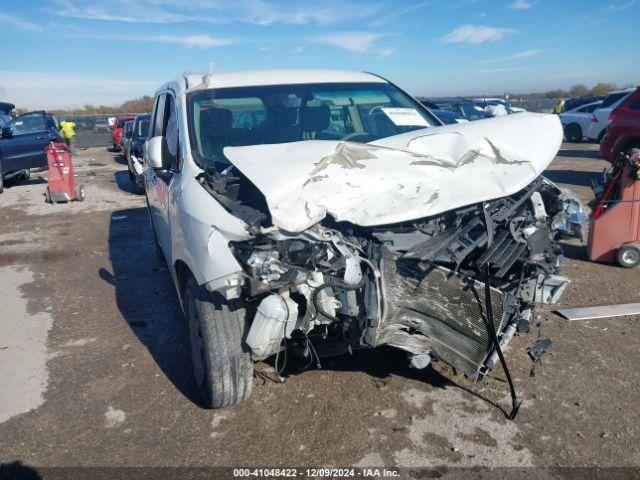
[613, 98]
[588, 108]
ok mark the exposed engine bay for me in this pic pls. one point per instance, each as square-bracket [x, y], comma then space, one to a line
[418, 285]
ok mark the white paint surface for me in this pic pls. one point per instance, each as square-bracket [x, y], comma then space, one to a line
[405, 177]
[23, 347]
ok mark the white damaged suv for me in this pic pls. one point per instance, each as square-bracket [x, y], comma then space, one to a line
[321, 210]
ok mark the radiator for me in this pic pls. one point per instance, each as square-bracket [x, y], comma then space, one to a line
[432, 309]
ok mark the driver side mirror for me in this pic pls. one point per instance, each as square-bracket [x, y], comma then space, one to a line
[7, 132]
[155, 153]
[128, 134]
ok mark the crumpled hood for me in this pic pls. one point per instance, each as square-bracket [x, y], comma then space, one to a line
[405, 177]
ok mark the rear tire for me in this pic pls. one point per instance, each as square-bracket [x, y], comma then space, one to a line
[573, 133]
[629, 256]
[222, 366]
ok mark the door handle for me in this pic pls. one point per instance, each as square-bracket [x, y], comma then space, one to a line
[42, 138]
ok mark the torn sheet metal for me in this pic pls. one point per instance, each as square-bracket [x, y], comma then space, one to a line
[604, 311]
[405, 177]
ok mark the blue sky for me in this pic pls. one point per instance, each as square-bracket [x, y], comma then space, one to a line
[65, 53]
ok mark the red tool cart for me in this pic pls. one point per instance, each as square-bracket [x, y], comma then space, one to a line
[62, 187]
[614, 230]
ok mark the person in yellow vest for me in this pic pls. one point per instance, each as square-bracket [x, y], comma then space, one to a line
[68, 134]
[559, 107]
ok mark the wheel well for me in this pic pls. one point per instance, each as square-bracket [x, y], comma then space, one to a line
[182, 272]
[627, 143]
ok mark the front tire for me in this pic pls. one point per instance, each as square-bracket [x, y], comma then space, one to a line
[222, 366]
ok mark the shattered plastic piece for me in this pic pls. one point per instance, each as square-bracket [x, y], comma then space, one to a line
[537, 348]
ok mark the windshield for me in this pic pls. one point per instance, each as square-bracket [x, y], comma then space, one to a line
[142, 128]
[358, 112]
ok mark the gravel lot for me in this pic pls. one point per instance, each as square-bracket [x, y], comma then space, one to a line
[94, 366]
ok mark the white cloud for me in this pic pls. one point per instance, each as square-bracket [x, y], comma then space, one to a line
[385, 52]
[258, 12]
[49, 90]
[516, 56]
[201, 41]
[487, 71]
[398, 13]
[476, 34]
[618, 7]
[521, 4]
[355, 42]
[189, 41]
[18, 22]
[298, 50]
[117, 11]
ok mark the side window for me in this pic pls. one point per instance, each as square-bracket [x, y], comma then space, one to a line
[158, 113]
[635, 105]
[588, 108]
[28, 123]
[170, 130]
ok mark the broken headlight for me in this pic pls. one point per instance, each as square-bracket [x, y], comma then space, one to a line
[571, 221]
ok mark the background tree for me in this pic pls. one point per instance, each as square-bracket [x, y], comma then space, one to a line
[578, 90]
[602, 88]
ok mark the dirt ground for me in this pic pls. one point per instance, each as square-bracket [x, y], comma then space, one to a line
[94, 366]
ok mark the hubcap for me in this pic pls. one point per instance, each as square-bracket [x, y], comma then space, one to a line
[630, 256]
[197, 346]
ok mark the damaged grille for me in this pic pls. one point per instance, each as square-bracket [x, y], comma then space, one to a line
[432, 309]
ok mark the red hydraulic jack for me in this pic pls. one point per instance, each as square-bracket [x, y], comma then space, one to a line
[614, 230]
[62, 187]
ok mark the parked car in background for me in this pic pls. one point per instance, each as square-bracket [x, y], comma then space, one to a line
[377, 226]
[623, 129]
[134, 155]
[448, 117]
[428, 103]
[22, 144]
[487, 103]
[100, 126]
[466, 108]
[575, 122]
[125, 138]
[118, 126]
[600, 116]
[575, 102]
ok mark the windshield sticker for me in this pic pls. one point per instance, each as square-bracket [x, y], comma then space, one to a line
[405, 117]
